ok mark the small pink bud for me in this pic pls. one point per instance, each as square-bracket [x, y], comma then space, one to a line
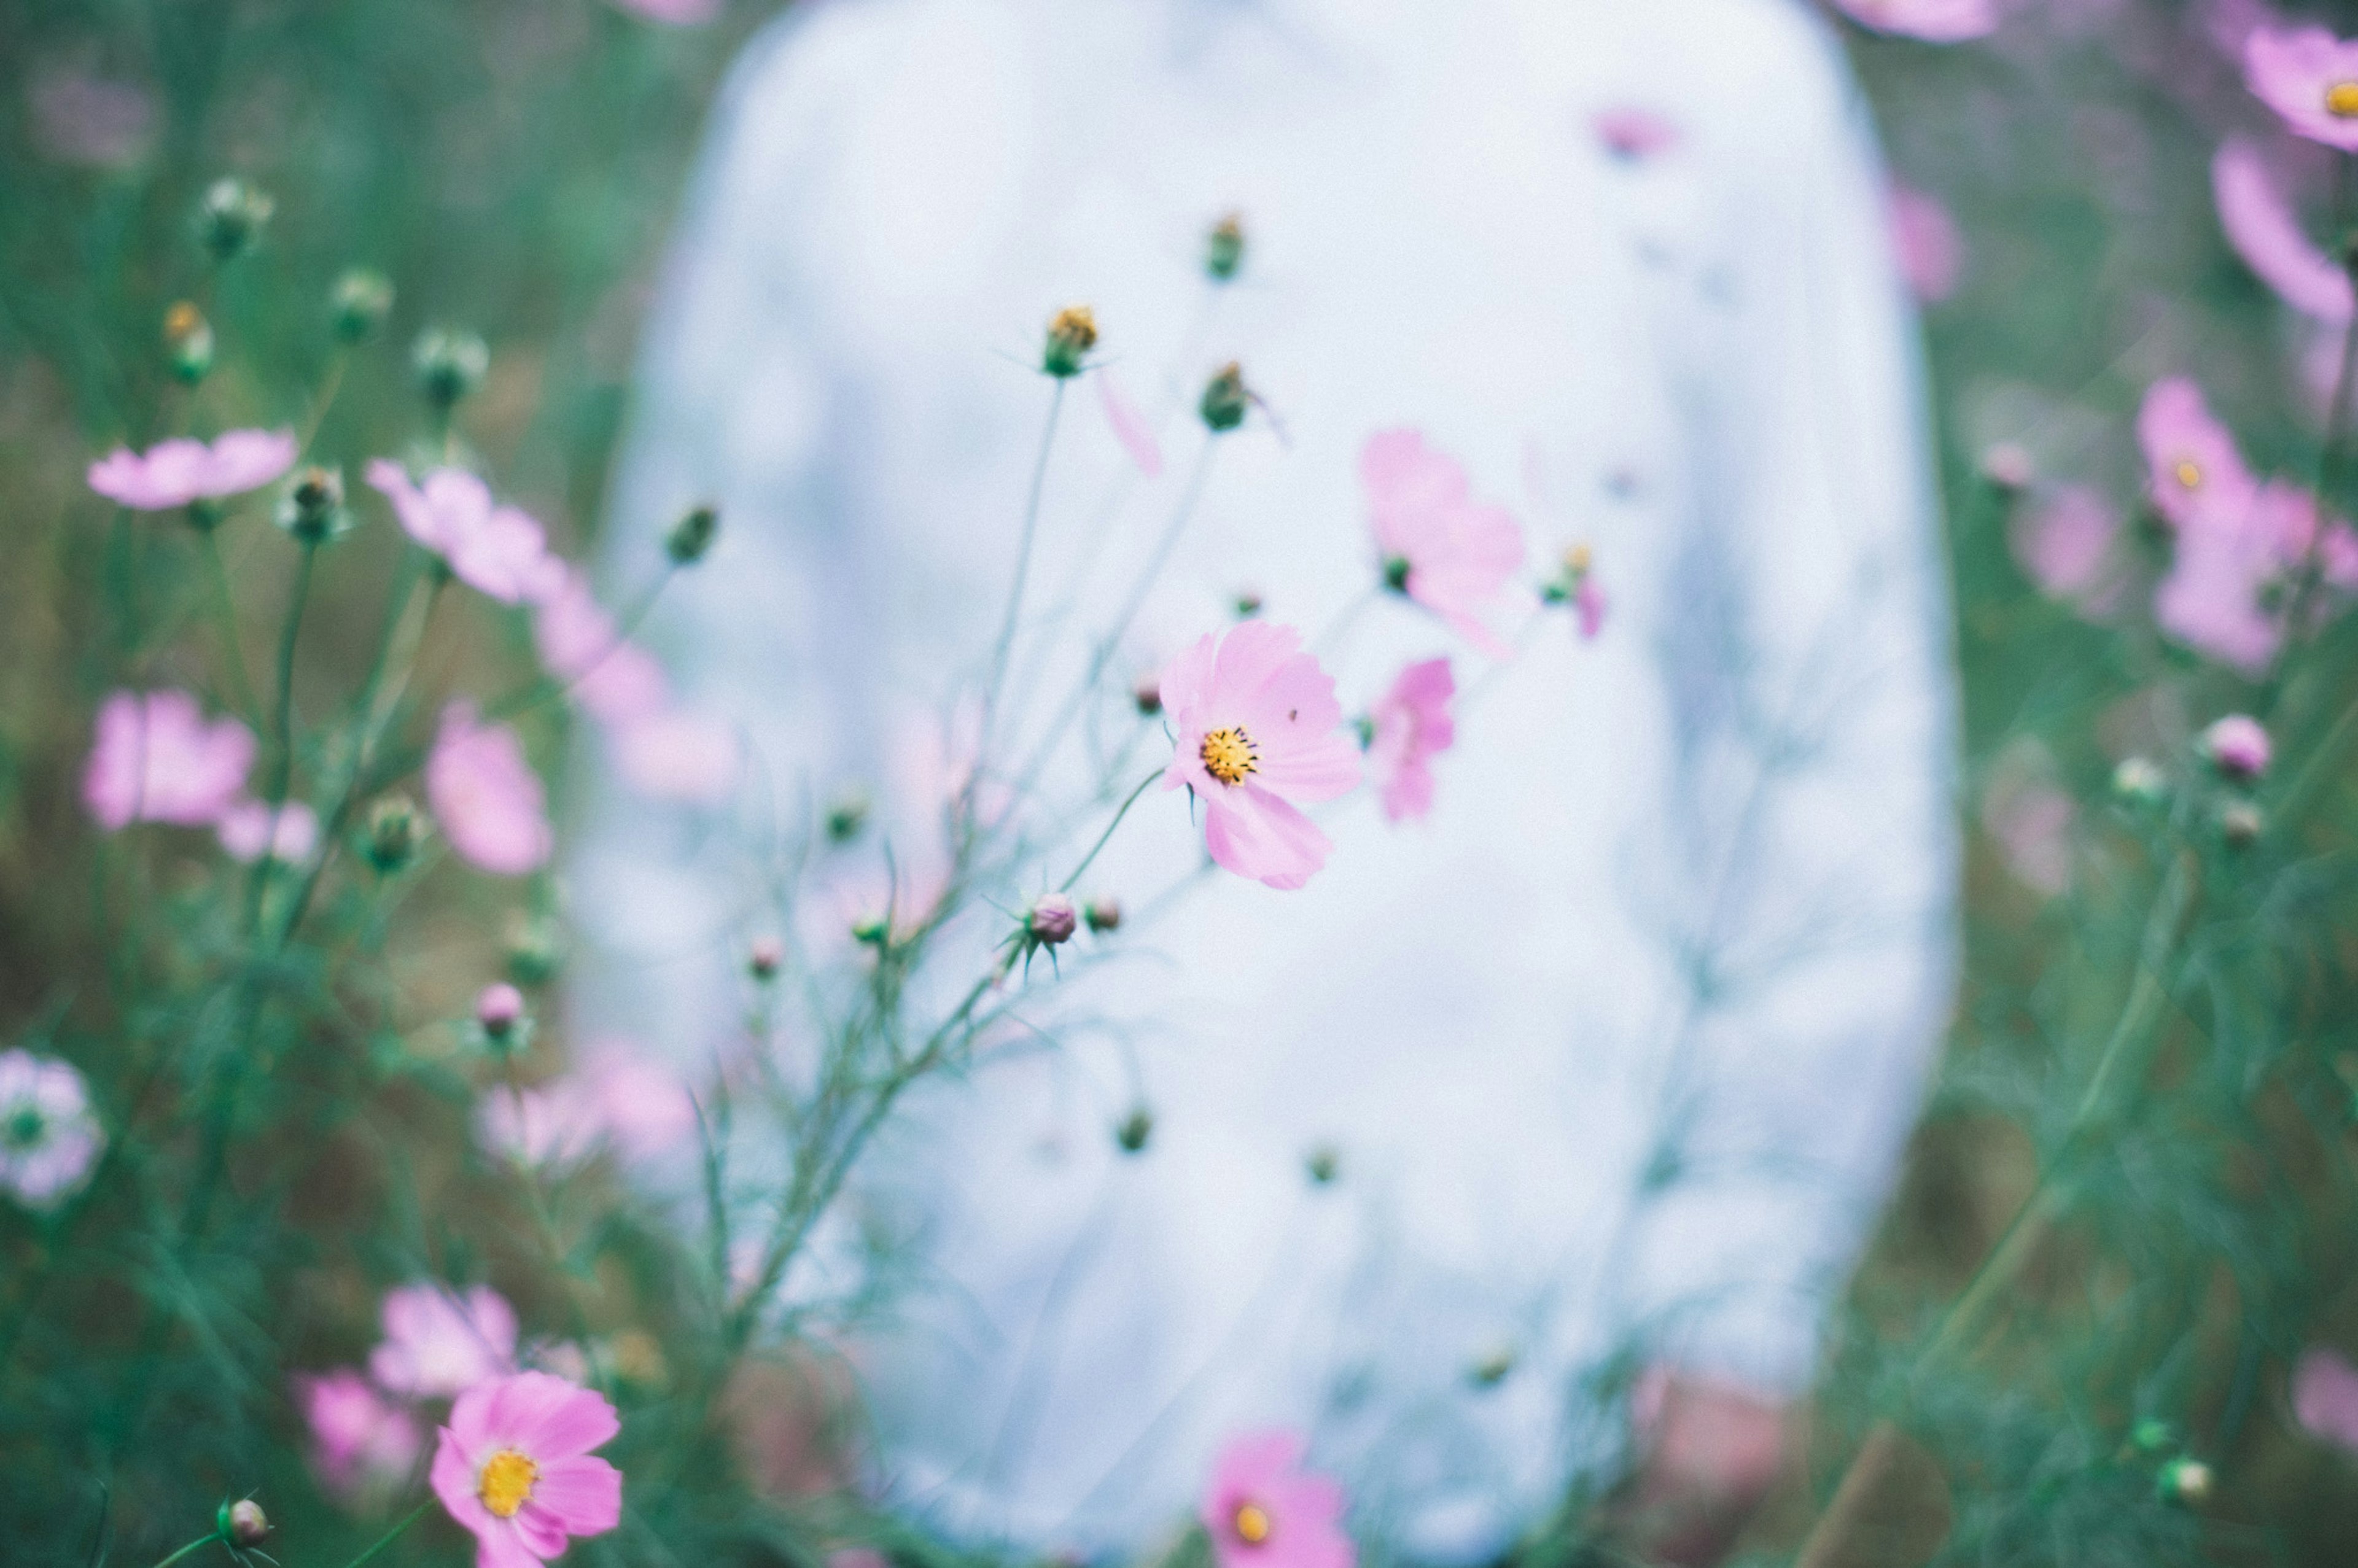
[499, 1010]
[1051, 921]
[244, 1523]
[768, 956]
[1148, 695]
[2009, 466]
[1103, 915]
[2238, 746]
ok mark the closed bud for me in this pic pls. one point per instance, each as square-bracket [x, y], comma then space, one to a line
[312, 508]
[2140, 781]
[1224, 249]
[2186, 1482]
[359, 304]
[1051, 921]
[2239, 747]
[848, 816]
[393, 833]
[500, 1008]
[766, 958]
[1226, 399]
[1246, 603]
[2009, 466]
[1148, 695]
[2242, 823]
[1493, 1366]
[1072, 333]
[870, 931]
[448, 364]
[2153, 1435]
[1134, 1131]
[1103, 915]
[692, 535]
[187, 341]
[231, 217]
[243, 1523]
[1323, 1164]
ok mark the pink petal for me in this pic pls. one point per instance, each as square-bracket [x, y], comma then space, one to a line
[1255, 834]
[1130, 426]
[584, 1495]
[2269, 237]
[453, 1480]
[2325, 1397]
[549, 1418]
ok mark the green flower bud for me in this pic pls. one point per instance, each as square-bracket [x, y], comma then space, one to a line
[848, 816]
[449, 364]
[187, 341]
[1324, 1165]
[1072, 333]
[231, 216]
[312, 507]
[393, 833]
[1134, 1130]
[1224, 249]
[360, 302]
[692, 535]
[1226, 400]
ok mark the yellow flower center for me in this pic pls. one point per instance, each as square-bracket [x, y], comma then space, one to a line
[2342, 100]
[506, 1482]
[2187, 474]
[1230, 754]
[1252, 1523]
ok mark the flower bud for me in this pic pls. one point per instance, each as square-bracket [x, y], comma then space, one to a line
[2140, 782]
[1072, 333]
[2153, 1435]
[231, 216]
[848, 816]
[2242, 823]
[243, 1523]
[1051, 921]
[692, 535]
[2009, 466]
[1226, 400]
[1103, 915]
[187, 341]
[449, 364]
[1148, 695]
[312, 508]
[393, 833]
[767, 956]
[360, 302]
[499, 1010]
[1323, 1164]
[1493, 1366]
[1396, 571]
[2184, 1481]
[1134, 1130]
[1246, 603]
[870, 931]
[2239, 747]
[1224, 249]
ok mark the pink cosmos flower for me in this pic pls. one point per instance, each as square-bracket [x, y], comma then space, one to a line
[361, 1441]
[1130, 426]
[675, 756]
[1437, 545]
[249, 830]
[1930, 251]
[2262, 228]
[2325, 1397]
[1936, 21]
[499, 550]
[437, 1344]
[155, 759]
[2191, 463]
[1635, 134]
[1264, 1510]
[1411, 727]
[2310, 78]
[49, 1137]
[177, 472]
[485, 794]
[2216, 597]
[1257, 730]
[514, 1468]
[673, 13]
[615, 1098]
[614, 681]
[2238, 746]
[2064, 542]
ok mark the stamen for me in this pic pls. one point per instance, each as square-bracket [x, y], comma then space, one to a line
[1230, 754]
[2187, 474]
[505, 1482]
[2342, 100]
[1253, 1523]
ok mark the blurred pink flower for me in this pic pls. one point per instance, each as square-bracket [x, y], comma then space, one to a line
[1256, 726]
[437, 1344]
[612, 680]
[2065, 540]
[673, 13]
[2191, 463]
[1434, 542]
[2269, 237]
[88, 120]
[499, 550]
[1637, 134]
[1130, 426]
[2226, 560]
[675, 756]
[177, 472]
[1937, 21]
[2238, 746]
[361, 1441]
[249, 830]
[615, 1097]
[1411, 727]
[49, 1137]
[155, 759]
[514, 1468]
[1264, 1510]
[1588, 607]
[1924, 238]
[2030, 823]
[2009, 465]
[485, 794]
[2309, 78]
[2325, 1397]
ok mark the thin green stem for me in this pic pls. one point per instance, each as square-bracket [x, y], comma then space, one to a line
[1104, 838]
[225, 613]
[197, 1545]
[1005, 644]
[390, 1536]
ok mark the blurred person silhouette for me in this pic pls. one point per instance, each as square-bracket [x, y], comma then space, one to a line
[1592, 1078]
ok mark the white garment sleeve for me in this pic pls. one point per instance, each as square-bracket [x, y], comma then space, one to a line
[1807, 658]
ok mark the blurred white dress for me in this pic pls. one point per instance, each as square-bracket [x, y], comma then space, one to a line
[1614, 1051]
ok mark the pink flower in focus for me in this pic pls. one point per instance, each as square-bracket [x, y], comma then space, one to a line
[673, 13]
[155, 759]
[1263, 1510]
[1924, 238]
[437, 1344]
[1256, 719]
[2191, 463]
[49, 1137]
[2325, 1397]
[1936, 21]
[2310, 78]
[614, 681]
[1635, 134]
[485, 794]
[514, 1468]
[498, 550]
[250, 830]
[1435, 545]
[2269, 237]
[2238, 746]
[2064, 542]
[1411, 727]
[361, 1441]
[675, 756]
[1130, 426]
[177, 472]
